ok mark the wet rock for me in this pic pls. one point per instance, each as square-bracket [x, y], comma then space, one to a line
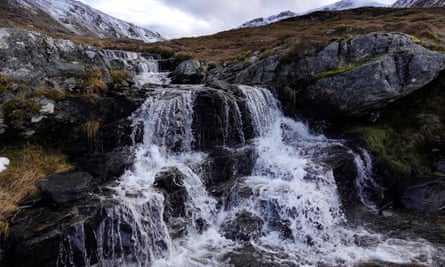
[86, 234]
[220, 119]
[65, 187]
[188, 72]
[107, 166]
[428, 196]
[224, 166]
[244, 226]
[170, 182]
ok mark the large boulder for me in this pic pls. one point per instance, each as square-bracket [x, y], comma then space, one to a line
[349, 77]
[189, 72]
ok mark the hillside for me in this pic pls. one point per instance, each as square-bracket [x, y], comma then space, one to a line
[305, 34]
[70, 16]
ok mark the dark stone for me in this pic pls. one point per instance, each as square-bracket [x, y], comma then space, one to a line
[170, 182]
[107, 166]
[244, 226]
[65, 187]
[428, 196]
[190, 71]
[220, 119]
[224, 166]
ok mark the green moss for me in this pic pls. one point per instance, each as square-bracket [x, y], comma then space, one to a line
[336, 71]
[243, 56]
[401, 149]
[346, 68]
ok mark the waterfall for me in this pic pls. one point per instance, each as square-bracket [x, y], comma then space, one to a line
[144, 68]
[288, 208]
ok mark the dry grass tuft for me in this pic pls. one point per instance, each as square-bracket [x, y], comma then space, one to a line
[119, 76]
[18, 182]
[95, 82]
[91, 129]
[55, 93]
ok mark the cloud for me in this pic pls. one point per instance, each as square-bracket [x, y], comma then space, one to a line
[178, 18]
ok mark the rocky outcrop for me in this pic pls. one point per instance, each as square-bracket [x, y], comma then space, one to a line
[349, 77]
[62, 188]
[189, 72]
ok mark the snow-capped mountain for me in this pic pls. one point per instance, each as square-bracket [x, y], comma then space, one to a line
[419, 3]
[84, 20]
[340, 5]
[264, 21]
[350, 4]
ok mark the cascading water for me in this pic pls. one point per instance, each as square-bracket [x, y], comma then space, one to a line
[145, 68]
[294, 214]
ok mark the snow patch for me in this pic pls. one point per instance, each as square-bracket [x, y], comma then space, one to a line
[3, 163]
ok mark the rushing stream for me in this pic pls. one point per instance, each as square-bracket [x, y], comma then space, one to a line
[287, 212]
[223, 178]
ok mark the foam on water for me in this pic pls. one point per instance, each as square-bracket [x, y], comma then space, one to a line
[294, 194]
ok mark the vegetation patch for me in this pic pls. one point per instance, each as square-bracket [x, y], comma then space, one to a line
[91, 129]
[21, 107]
[119, 76]
[28, 165]
[94, 83]
[409, 135]
[5, 83]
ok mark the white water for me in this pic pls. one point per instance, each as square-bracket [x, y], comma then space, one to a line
[294, 194]
[145, 69]
[4, 162]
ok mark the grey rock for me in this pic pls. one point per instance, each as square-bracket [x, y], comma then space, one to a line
[429, 196]
[188, 72]
[65, 187]
[350, 77]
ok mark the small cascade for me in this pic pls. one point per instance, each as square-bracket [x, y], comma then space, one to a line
[144, 67]
[365, 183]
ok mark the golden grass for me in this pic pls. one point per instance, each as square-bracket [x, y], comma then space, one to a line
[95, 82]
[119, 76]
[55, 93]
[18, 182]
[91, 129]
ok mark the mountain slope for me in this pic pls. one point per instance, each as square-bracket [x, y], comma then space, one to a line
[419, 3]
[264, 21]
[348, 4]
[340, 5]
[86, 21]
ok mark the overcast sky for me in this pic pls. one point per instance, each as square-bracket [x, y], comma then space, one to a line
[179, 18]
